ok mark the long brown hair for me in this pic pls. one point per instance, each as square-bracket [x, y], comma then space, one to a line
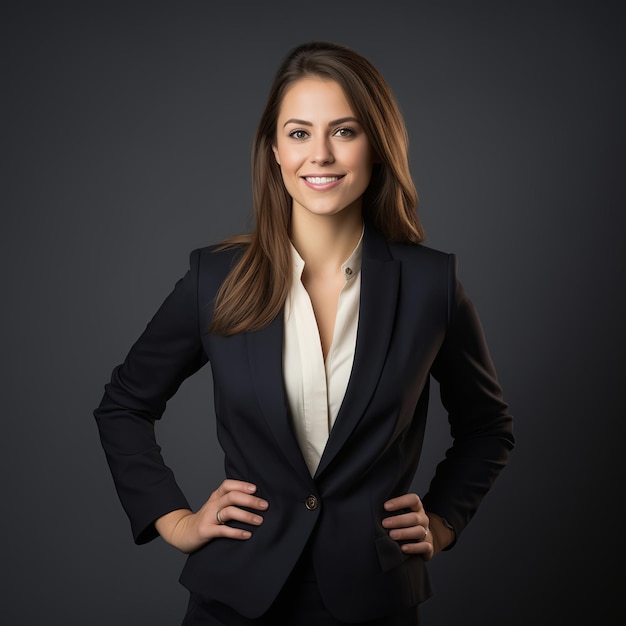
[256, 288]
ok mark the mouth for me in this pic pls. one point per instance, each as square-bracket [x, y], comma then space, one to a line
[321, 180]
[322, 183]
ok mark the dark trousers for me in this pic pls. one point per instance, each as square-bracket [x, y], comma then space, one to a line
[298, 604]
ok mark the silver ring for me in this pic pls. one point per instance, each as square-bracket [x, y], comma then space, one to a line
[219, 517]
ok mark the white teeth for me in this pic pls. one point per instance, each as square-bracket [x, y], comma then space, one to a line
[321, 180]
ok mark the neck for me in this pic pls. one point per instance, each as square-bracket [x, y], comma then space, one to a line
[325, 241]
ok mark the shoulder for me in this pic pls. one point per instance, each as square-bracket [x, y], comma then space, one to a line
[427, 273]
[208, 268]
[216, 259]
[417, 261]
[425, 260]
[376, 245]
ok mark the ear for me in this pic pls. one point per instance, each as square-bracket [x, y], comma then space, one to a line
[275, 151]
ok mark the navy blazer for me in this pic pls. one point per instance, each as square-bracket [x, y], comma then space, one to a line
[415, 321]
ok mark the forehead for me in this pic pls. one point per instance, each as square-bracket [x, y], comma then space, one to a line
[311, 98]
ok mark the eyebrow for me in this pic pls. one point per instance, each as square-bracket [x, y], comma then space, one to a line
[341, 120]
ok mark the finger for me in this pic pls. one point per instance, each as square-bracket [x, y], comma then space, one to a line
[407, 501]
[233, 513]
[230, 532]
[413, 533]
[239, 499]
[404, 520]
[212, 522]
[424, 549]
[230, 484]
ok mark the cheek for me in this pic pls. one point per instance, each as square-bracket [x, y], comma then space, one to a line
[360, 160]
[285, 158]
[364, 166]
[287, 171]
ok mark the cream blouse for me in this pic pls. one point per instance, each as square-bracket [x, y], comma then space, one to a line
[315, 388]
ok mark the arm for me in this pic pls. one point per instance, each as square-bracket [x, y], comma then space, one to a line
[168, 351]
[481, 428]
[480, 424]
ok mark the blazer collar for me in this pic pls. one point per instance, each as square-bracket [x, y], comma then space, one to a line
[380, 279]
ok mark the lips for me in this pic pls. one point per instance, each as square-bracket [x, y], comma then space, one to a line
[322, 183]
[321, 180]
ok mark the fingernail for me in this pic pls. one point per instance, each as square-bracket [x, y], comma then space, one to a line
[246, 534]
[251, 488]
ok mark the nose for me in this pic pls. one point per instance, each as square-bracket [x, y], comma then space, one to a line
[321, 152]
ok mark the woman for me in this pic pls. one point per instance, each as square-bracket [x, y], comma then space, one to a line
[323, 328]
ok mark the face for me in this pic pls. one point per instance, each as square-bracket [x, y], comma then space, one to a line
[324, 154]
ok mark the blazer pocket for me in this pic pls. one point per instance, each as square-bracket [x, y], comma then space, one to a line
[389, 553]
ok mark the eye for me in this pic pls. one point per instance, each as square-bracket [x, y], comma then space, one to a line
[298, 134]
[344, 132]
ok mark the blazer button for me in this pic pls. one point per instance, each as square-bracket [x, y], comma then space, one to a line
[311, 503]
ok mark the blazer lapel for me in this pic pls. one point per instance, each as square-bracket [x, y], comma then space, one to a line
[265, 349]
[380, 278]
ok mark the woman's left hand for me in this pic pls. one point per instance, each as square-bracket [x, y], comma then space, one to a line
[412, 528]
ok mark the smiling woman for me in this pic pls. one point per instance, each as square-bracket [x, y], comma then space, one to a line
[324, 155]
[254, 293]
[324, 327]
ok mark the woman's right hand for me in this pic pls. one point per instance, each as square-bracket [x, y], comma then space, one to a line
[189, 531]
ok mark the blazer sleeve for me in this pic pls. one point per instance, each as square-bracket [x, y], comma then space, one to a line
[168, 351]
[480, 424]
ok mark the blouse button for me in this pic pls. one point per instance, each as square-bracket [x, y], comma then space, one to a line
[348, 271]
[311, 503]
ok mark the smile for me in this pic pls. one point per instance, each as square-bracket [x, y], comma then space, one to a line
[322, 183]
[322, 180]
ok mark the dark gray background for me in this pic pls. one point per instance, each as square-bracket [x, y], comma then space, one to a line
[127, 136]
